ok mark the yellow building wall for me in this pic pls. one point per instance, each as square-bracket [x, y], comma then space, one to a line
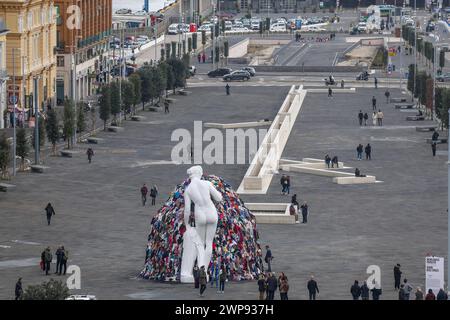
[32, 39]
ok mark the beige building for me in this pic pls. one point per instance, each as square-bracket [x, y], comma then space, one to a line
[31, 43]
[3, 76]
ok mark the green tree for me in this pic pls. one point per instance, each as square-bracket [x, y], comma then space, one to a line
[22, 147]
[135, 79]
[163, 54]
[41, 129]
[162, 84]
[69, 121]
[217, 54]
[115, 101]
[179, 72]
[127, 96]
[203, 39]
[5, 156]
[174, 50]
[411, 76]
[52, 129]
[105, 104]
[51, 290]
[146, 84]
[81, 119]
[168, 53]
[170, 84]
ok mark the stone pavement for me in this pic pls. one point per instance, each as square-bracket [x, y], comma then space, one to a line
[101, 222]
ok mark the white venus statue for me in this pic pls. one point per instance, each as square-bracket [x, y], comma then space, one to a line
[197, 241]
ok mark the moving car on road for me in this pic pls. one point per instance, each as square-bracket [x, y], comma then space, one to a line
[219, 72]
[443, 77]
[250, 70]
[237, 75]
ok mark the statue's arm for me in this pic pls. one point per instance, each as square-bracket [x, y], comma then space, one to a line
[187, 209]
[216, 195]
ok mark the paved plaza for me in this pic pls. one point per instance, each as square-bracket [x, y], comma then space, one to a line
[100, 220]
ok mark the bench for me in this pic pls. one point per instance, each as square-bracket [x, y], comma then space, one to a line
[93, 140]
[404, 106]
[438, 141]
[4, 187]
[38, 168]
[355, 180]
[415, 118]
[426, 129]
[68, 153]
[398, 100]
[137, 118]
[184, 92]
[115, 129]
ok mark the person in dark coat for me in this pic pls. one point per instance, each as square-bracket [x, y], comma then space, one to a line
[202, 280]
[327, 161]
[430, 295]
[90, 154]
[433, 148]
[272, 285]
[355, 290]
[368, 151]
[48, 257]
[283, 183]
[304, 208]
[196, 274]
[261, 286]
[330, 92]
[435, 136]
[153, 194]
[397, 276]
[294, 200]
[18, 291]
[334, 162]
[387, 94]
[376, 291]
[50, 212]
[374, 103]
[199, 58]
[359, 151]
[268, 259]
[366, 117]
[312, 288]
[166, 107]
[441, 295]
[227, 89]
[376, 82]
[63, 264]
[401, 292]
[365, 291]
[360, 117]
[419, 294]
[144, 192]
[59, 255]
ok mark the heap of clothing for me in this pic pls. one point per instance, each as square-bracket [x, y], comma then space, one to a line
[235, 245]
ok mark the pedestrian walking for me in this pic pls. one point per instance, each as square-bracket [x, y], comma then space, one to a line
[294, 200]
[261, 286]
[374, 103]
[153, 194]
[49, 212]
[166, 107]
[419, 294]
[359, 152]
[59, 255]
[435, 136]
[366, 117]
[342, 84]
[368, 151]
[380, 117]
[144, 192]
[222, 279]
[360, 117]
[199, 58]
[397, 276]
[202, 280]
[18, 290]
[430, 295]
[376, 82]
[330, 92]
[283, 183]
[227, 89]
[204, 57]
[90, 154]
[63, 264]
[196, 274]
[288, 184]
[304, 207]
[407, 289]
[334, 162]
[365, 291]
[355, 290]
[442, 295]
[48, 257]
[376, 291]
[272, 285]
[214, 274]
[433, 148]
[313, 289]
[268, 258]
[374, 118]
[387, 94]
[284, 288]
[327, 161]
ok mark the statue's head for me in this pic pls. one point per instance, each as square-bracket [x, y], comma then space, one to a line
[195, 172]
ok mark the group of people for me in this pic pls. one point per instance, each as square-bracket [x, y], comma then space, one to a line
[218, 275]
[331, 161]
[62, 255]
[201, 57]
[295, 207]
[145, 192]
[268, 284]
[368, 150]
[364, 291]
[377, 118]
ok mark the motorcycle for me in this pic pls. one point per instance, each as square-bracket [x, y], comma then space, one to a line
[363, 76]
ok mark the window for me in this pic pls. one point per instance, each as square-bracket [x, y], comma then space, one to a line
[20, 24]
[58, 15]
[51, 15]
[43, 16]
[45, 44]
[30, 20]
[60, 61]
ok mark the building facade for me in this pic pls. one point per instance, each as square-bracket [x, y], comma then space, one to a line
[30, 57]
[83, 31]
[3, 76]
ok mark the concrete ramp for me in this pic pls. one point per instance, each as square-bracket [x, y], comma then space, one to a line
[271, 213]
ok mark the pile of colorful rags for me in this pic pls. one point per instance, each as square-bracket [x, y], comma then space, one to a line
[235, 245]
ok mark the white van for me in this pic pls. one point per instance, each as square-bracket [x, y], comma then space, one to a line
[362, 27]
[255, 25]
[278, 27]
[228, 25]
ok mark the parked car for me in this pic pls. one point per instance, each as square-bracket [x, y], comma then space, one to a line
[124, 11]
[255, 25]
[173, 29]
[141, 13]
[237, 75]
[228, 25]
[205, 27]
[443, 77]
[240, 29]
[219, 72]
[250, 70]
[278, 27]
